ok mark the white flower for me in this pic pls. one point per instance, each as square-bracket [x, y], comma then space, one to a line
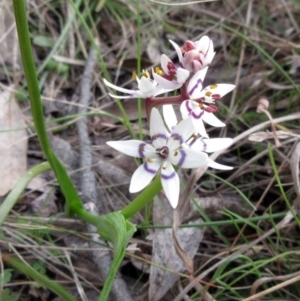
[208, 145]
[196, 55]
[166, 150]
[201, 106]
[170, 77]
[147, 88]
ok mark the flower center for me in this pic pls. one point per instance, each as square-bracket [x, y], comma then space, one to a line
[163, 152]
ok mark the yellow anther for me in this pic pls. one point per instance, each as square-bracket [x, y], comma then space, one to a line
[158, 71]
[150, 160]
[145, 73]
[134, 76]
[176, 153]
[164, 167]
[213, 86]
[208, 94]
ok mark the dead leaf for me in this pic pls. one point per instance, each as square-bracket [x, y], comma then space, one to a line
[164, 253]
[294, 163]
[153, 51]
[13, 142]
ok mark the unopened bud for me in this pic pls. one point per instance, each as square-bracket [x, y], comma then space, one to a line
[263, 105]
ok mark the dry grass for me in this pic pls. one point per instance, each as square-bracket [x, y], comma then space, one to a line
[244, 251]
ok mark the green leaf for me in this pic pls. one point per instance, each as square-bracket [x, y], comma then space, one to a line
[5, 277]
[43, 41]
[6, 295]
[116, 229]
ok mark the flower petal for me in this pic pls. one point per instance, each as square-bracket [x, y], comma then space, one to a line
[170, 183]
[158, 132]
[169, 85]
[169, 116]
[182, 75]
[199, 127]
[178, 51]
[134, 148]
[216, 165]
[188, 158]
[144, 175]
[215, 92]
[164, 60]
[127, 91]
[147, 86]
[180, 134]
[211, 145]
[211, 119]
[195, 84]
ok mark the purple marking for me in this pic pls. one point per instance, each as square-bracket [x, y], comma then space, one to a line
[199, 82]
[182, 159]
[176, 136]
[187, 105]
[158, 136]
[141, 150]
[194, 115]
[172, 175]
[146, 167]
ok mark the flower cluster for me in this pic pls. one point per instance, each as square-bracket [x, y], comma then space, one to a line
[184, 144]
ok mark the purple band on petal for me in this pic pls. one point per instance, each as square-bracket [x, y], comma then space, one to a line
[178, 137]
[146, 167]
[172, 175]
[158, 136]
[183, 155]
[188, 107]
[194, 115]
[141, 150]
[199, 82]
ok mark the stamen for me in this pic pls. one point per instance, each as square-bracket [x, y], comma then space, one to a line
[159, 71]
[145, 73]
[208, 94]
[134, 75]
[163, 152]
[213, 86]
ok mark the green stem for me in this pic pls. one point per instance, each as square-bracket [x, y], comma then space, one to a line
[143, 199]
[46, 282]
[70, 193]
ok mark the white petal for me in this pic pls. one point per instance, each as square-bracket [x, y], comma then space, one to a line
[170, 183]
[199, 127]
[186, 108]
[127, 91]
[203, 44]
[158, 132]
[215, 91]
[211, 145]
[194, 87]
[147, 86]
[216, 165]
[144, 175]
[164, 60]
[188, 158]
[165, 83]
[211, 119]
[182, 75]
[177, 48]
[169, 116]
[134, 148]
[181, 133]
